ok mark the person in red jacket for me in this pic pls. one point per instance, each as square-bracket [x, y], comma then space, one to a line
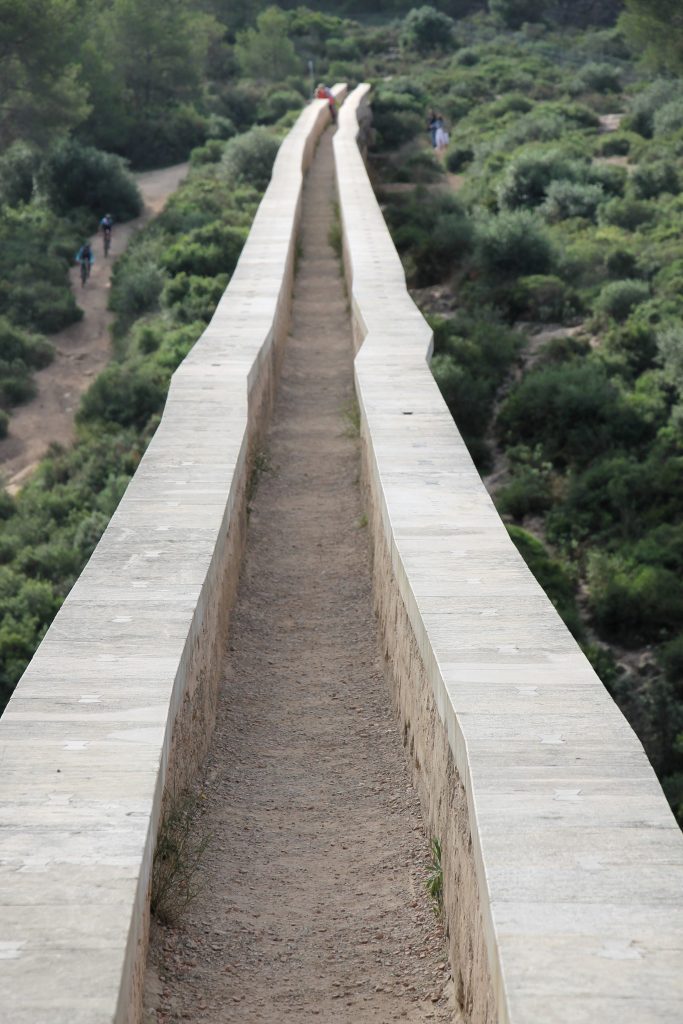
[323, 92]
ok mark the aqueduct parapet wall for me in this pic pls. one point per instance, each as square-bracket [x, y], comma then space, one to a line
[117, 706]
[563, 863]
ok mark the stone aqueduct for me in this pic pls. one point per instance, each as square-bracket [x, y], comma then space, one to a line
[563, 863]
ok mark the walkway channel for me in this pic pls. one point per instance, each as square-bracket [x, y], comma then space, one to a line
[312, 901]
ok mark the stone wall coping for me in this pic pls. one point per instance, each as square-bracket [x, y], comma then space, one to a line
[579, 859]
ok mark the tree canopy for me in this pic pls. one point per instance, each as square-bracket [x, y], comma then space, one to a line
[656, 28]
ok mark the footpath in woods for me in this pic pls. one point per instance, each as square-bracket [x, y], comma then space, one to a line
[312, 900]
[81, 350]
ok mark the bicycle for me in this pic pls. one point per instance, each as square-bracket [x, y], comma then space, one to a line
[84, 258]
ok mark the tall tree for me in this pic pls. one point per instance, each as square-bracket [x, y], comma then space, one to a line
[266, 51]
[513, 13]
[655, 28]
[41, 91]
[142, 58]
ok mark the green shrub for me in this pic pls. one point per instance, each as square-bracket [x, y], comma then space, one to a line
[671, 660]
[528, 178]
[473, 354]
[166, 135]
[7, 505]
[16, 383]
[617, 143]
[88, 533]
[420, 168]
[543, 298]
[206, 251]
[566, 199]
[513, 13]
[562, 349]
[633, 603]
[18, 641]
[537, 126]
[398, 113]
[278, 103]
[596, 77]
[219, 128]
[210, 153]
[572, 412]
[619, 496]
[669, 118]
[661, 546]
[529, 490]
[647, 103]
[650, 180]
[527, 494]
[458, 157]
[621, 263]
[513, 103]
[31, 349]
[618, 298]
[513, 244]
[611, 178]
[467, 57]
[124, 395]
[627, 213]
[38, 304]
[75, 175]
[193, 298]
[432, 230]
[137, 286]
[4, 424]
[18, 166]
[249, 157]
[425, 29]
[343, 49]
[634, 343]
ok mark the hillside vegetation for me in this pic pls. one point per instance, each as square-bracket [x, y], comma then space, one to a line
[552, 259]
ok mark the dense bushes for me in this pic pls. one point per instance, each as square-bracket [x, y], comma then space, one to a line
[20, 353]
[594, 77]
[192, 298]
[249, 158]
[513, 244]
[566, 199]
[619, 298]
[206, 251]
[398, 112]
[75, 176]
[124, 395]
[472, 356]
[573, 412]
[425, 29]
[433, 232]
[634, 603]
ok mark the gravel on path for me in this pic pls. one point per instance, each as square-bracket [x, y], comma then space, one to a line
[312, 901]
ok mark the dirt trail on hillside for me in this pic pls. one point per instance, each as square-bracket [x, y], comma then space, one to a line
[81, 351]
[312, 901]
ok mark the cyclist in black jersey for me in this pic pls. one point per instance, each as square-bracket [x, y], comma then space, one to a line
[106, 224]
[85, 258]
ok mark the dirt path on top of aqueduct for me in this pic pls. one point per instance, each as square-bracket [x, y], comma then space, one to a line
[312, 901]
[81, 350]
